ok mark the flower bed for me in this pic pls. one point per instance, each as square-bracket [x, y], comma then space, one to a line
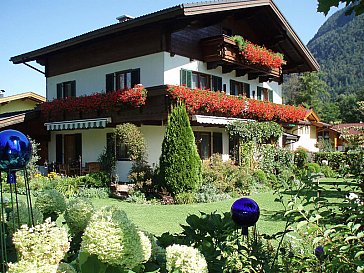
[218, 103]
[115, 100]
[260, 55]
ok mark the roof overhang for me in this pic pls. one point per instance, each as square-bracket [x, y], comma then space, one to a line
[304, 60]
[9, 119]
[77, 124]
[214, 120]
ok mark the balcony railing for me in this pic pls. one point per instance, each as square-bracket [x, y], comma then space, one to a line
[223, 51]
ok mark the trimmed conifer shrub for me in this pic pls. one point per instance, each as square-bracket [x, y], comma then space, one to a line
[180, 163]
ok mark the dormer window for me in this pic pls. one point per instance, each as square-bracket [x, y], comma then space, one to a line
[122, 80]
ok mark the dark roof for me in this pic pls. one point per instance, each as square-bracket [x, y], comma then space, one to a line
[183, 10]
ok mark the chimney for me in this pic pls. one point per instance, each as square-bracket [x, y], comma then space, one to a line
[124, 18]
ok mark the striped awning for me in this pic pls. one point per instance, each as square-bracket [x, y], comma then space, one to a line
[78, 124]
[216, 120]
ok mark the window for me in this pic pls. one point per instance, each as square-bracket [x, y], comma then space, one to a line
[194, 79]
[239, 88]
[217, 143]
[203, 143]
[68, 148]
[66, 89]
[122, 80]
[264, 94]
[120, 149]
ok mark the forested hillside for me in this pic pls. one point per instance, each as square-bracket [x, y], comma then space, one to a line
[339, 48]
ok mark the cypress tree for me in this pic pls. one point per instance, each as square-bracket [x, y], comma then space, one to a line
[180, 163]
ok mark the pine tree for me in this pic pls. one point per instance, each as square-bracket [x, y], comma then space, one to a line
[180, 164]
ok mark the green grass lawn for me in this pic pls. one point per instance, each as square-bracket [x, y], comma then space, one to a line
[158, 219]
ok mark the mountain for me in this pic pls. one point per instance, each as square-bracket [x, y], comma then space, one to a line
[339, 48]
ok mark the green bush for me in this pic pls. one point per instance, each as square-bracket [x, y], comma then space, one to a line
[66, 268]
[51, 203]
[313, 167]
[300, 157]
[100, 193]
[23, 219]
[185, 198]
[70, 186]
[260, 177]
[180, 163]
[335, 159]
[78, 214]
[136, 196]
[273, 159]
[98, 180]
[208, 194]
[224, 175]
[328, 171]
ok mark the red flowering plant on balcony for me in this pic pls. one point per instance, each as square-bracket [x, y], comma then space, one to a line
[260, 55]
[200, 101]
[116, 100]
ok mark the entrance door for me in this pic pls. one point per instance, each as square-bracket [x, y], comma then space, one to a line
[72, 150]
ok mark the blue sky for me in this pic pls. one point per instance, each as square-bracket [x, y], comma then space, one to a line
[29, 25]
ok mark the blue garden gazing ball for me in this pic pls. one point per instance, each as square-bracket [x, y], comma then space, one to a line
[245, 213]
[15, 150]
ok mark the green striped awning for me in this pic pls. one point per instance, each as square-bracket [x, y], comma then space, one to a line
[77, 124]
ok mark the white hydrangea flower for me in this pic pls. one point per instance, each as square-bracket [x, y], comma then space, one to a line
[31, 267]
[146, 245]
[113, 238]
[186, 259]
[44, 244]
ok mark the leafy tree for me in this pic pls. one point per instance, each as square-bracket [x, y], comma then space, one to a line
[180, 164]
[349, 109]
[355, 5]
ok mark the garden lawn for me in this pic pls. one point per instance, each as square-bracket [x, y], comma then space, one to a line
[158, 219]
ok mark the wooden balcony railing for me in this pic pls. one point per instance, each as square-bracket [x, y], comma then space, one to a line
[223, 51]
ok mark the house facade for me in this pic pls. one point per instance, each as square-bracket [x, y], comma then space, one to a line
[188, 45]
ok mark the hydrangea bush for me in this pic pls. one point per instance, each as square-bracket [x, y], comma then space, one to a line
[185, 259]
[78, 214]
[51, 203]
[114, 239]
[40, 248]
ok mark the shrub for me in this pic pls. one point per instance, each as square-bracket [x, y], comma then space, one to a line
[51, 203]
[78, 214]
[70, 186]
[24, 217]
[300, 157]
[180, 164]
[224, 175]
[313, 167]
[125, 249]
[136, 196]
[328, 171]
[42, 246]
[98, 180]
[185, 259]
[208, 194]
[184, 198]
[100, 193]
[260, 177]
[66, 268]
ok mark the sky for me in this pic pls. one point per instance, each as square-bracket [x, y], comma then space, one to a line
[26, 25]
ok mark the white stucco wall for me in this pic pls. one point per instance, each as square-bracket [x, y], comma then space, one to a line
[308, 138]
[173, 65]
[93, 79]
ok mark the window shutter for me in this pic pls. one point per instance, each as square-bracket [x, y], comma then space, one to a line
[59, 147]
[135, 77]
[232, 87]
[110, 82]
[59, 91]
[270, 95]
[247, 89]
[186, 78]
[73, 89]
[259, 93]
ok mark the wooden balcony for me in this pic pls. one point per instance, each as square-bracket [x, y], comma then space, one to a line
[223, 51]
[154, 111]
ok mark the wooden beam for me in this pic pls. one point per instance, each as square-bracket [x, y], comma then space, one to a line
[241, 72]
[253, 76]
[212, 65]
[227, 69]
